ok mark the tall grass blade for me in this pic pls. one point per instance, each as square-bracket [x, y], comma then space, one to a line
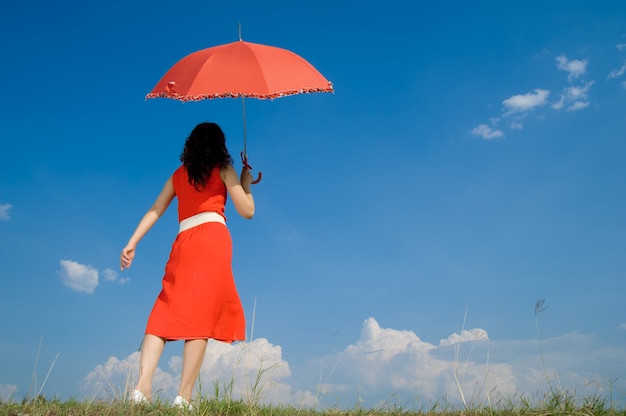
[47, 375]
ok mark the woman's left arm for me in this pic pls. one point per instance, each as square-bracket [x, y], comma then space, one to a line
[149, 219]
[239, 190]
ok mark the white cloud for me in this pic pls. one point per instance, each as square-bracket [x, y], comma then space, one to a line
[4, 212]
[575, 98]
[517, 125]
[386, 363]
[622, 326]
[471, 335]
[7, 392]
[577, 93]
[621, 46]
[624, 84]
[233, 368]
[559, 104]
[578, 105]
[111, 275]
[575, 67]
[487, 132]
[526, 102]
[116, 378]
[85, 278]
[78, 277]
[243, 364]
[616, 73]
[387, 366]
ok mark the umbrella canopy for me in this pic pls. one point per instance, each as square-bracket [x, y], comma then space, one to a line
[240, 69]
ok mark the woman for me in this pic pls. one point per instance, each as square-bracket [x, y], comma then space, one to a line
[199, 299]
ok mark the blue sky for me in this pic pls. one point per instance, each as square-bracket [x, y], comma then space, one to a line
[469, 163]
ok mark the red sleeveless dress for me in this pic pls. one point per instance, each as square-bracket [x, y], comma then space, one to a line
[199, 298]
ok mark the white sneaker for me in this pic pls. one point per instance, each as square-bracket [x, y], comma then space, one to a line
[182, 403]
[137, 397]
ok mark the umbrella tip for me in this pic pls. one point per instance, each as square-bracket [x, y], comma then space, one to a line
[240, 31]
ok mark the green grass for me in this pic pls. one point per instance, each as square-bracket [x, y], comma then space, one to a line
[551, 404]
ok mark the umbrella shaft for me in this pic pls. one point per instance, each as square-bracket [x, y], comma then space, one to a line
[243, 111]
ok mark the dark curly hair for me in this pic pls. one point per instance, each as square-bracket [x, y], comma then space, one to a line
[205, 149]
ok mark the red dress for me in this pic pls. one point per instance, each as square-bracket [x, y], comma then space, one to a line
[199, 298]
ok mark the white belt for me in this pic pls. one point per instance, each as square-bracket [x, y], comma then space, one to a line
[200, 218]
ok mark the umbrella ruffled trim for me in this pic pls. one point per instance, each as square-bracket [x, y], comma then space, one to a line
[184, 97]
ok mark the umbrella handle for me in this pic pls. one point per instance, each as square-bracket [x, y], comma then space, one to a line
[244, 160]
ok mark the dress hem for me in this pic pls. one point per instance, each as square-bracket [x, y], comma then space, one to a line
[194, 337]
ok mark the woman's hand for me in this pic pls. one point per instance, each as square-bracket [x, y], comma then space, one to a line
[127, 256]
[245, 179]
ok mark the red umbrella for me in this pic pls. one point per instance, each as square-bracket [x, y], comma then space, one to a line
[240, 69]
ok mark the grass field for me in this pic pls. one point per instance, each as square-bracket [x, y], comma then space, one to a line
[552, 404]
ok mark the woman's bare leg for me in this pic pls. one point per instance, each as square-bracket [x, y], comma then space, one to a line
[151, 351]
[193, 355]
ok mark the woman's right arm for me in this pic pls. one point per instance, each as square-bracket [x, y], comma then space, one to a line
[239, 190]
[149, 219]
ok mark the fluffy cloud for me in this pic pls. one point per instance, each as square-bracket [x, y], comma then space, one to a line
[526, 102]
[115, 378]
[616, 73]
[578, 105]
[465, 335]
[85, 278]
[253, 371]
[575, 67]
[388, 366]
[4, 212]
[487, 132]
[78, 277]
[111, 275]
[575, 98]
[578, 93]
[559, 104]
